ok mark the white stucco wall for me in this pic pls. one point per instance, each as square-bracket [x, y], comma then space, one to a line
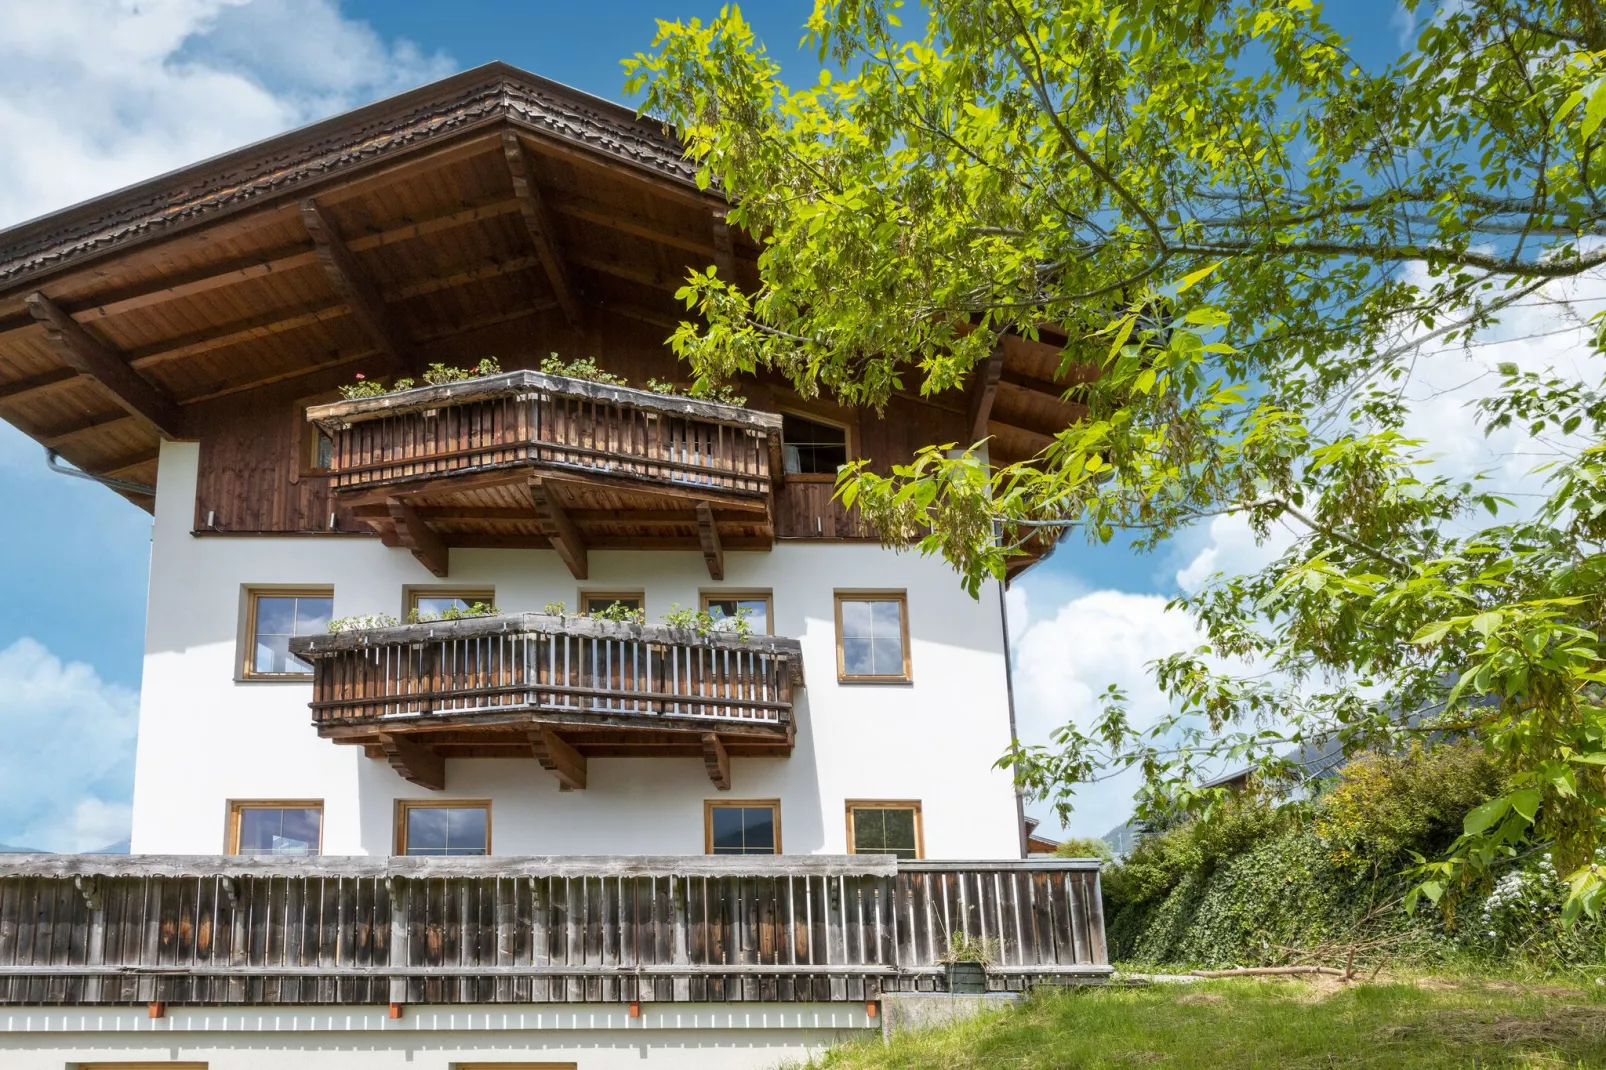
[592, 1037]
[206, 738]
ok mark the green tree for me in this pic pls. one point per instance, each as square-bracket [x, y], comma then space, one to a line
[1252, 235]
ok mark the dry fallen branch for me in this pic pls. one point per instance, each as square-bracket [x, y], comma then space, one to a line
[1269, 971]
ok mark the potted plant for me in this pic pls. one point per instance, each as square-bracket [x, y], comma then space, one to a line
[967, 960]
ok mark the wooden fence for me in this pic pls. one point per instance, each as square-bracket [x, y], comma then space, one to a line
[528, 418]
[561, 665]
[201, 930]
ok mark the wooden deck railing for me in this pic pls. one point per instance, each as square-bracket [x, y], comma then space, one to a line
[529, 418]
[98, 929]
[556, 665]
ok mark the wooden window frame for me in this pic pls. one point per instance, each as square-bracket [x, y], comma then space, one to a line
[404, 805]
[588, 593]
[306, 436]
[850, 441]
[237, 808]
[710, 805]
[247, 660]
[902, 598]
[888, 804]
[750, 595]
[411, 594]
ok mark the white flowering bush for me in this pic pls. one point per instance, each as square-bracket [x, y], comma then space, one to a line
[1522, 918]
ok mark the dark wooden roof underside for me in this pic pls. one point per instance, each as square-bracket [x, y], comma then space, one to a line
[376, 241]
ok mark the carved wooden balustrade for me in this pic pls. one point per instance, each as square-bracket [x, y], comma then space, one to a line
[531, 418]
[489, 686]
[101, 929]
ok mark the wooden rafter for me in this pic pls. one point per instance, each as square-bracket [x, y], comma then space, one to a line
[983, 391]
[538, 221]
[414, 534]
[559, 758]
[123, 465]
[558, 528]
[36, 385]
[624, 221]
[415, 762]
[349, 280]
[60, 436]
[716, 761]
[90, 357]
[708, 536]
[252, 329]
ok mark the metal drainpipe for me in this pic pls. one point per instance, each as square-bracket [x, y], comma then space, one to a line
[122, 485]
[1009, 689]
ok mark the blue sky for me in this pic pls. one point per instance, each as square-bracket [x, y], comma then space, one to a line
[164, 82]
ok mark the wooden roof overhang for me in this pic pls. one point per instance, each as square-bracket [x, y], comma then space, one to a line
[559, 689]
[418, 228]
[526, 459]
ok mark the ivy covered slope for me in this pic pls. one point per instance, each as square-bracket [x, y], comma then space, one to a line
[1320, 883]
[1260, 242]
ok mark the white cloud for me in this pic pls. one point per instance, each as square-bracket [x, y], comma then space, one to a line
[1062, 665]
[96, 94]
[67, 766]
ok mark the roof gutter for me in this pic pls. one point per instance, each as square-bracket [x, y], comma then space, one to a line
[122, 486]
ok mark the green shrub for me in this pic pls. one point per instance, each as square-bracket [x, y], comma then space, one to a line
[1085, 847]
[1384, 805]
[1158, 863]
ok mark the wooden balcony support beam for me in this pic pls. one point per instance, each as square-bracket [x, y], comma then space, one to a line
[559, 758]
[724, 250]
[716, 761]
[558, 528]
[91, 357]
[416, 763]
[538, 221]
[708, 535]
[983, 391]
[352, 284]
[414, 534]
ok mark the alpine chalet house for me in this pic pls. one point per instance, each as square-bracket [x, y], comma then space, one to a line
[538, 715]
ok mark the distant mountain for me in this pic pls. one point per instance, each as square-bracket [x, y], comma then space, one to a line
[118, 848]
[8, 849]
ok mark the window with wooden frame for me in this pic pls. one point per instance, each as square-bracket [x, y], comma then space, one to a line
[432, 603]
[881, 827]
[276, 827]
[811, 446]
[443, 828]
[742, 826]
[727, 607]
[273, 618]
[598, 601]
[872, 637]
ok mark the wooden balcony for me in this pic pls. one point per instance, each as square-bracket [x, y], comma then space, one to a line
[559, 689]
[527, 459]
[117, 930]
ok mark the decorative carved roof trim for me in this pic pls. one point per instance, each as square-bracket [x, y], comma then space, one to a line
[290, 163]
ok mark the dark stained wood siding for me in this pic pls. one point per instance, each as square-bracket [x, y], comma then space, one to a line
[821, 933]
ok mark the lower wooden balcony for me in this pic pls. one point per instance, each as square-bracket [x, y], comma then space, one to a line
[558, 689]
[85, 930]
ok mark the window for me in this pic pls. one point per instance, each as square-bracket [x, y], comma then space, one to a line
[872, 637]
[443, 828]
[430, 603]
[597, 601]
[275, 618]
[811, 447]
[727, 606]
[275, 828]
[885, 828]
[323, 451]
[750, 827]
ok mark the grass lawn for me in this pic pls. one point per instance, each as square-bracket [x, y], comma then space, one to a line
[1270, 1023]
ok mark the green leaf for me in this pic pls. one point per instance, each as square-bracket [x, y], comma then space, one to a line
[1194, 277]
[1485, 623]
[1526, 802]
[1480, 819]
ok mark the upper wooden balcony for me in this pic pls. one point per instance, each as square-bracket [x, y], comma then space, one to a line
[529, 459]
[558, 689]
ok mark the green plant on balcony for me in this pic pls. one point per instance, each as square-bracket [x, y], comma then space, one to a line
[722, 392]
[363, 622]
[438, 374]
[619, 613]
[581, 368]
[476, 609]
[705, 625]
